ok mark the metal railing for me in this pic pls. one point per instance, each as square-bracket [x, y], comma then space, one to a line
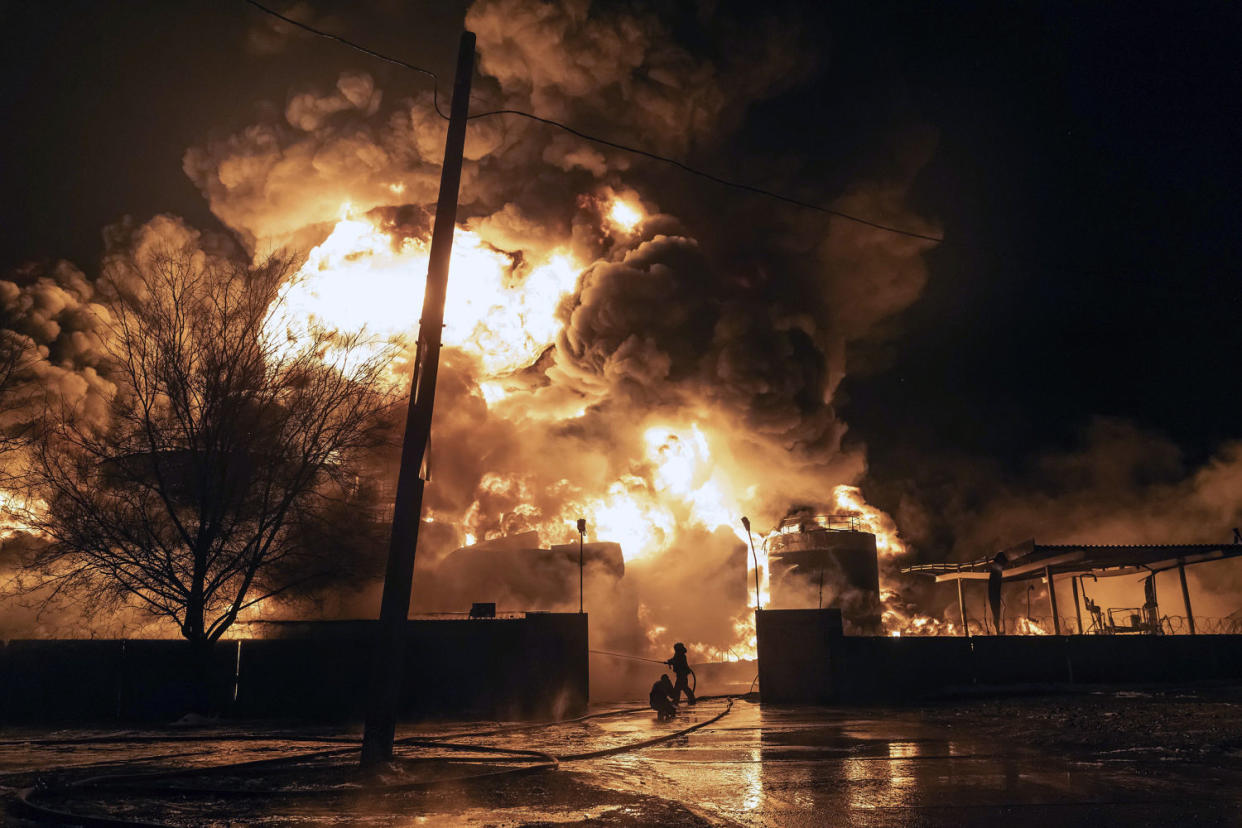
[960, 566]
[442, 616]
[833, 523]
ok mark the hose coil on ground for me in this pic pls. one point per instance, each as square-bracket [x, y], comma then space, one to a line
[29, 806]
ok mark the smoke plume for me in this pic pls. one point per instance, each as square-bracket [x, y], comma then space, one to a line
[664, 373]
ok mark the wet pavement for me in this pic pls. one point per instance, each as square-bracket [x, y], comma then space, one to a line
[820, 767]
[966, 763]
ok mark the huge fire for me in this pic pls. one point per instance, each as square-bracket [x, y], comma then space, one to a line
[506, 317]
[663, 475]
[502, 310]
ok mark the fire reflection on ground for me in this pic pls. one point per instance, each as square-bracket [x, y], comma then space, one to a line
[969, 762]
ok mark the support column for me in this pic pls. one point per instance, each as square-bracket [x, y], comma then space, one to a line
[1077, 606]
[961, 606]
[1190, 615]
[1052, 599]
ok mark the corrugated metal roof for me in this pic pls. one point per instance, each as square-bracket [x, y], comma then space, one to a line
[1068, 547]
[1027, 557]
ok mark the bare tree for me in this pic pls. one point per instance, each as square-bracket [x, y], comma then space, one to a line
[228, 441]
[17, 356]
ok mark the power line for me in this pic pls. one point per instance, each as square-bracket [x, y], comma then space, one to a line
[664, 159]
[738, 185]
[435, 96]
[340, 39]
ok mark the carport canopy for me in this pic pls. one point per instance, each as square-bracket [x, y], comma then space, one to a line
[1031, 560]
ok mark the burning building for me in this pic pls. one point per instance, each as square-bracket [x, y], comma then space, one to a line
[827, 560]
[517, 572]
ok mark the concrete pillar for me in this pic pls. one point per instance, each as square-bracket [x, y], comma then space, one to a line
[1190, 615]
[1052, 599]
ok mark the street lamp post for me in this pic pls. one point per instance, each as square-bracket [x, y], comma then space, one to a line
[755, 557]
[581, 540]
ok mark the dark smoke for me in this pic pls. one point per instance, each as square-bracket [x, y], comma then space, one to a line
[736, 317]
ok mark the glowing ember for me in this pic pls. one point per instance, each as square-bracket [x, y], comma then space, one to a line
[1027, 626]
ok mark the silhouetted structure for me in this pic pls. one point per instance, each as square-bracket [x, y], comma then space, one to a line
[517, 570]
[827, 561]
[804, 657]
[533, 666]
[1048, 562]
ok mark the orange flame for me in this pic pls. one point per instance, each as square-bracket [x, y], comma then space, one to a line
[502, 309]
[504, 318]
[849, 500]
[625, 215]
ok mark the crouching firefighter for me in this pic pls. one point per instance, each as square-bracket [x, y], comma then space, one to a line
[662, 699]
[681, 669]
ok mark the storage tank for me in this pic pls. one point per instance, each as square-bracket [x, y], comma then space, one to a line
[827, 561]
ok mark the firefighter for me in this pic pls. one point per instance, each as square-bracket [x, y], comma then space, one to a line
[681, 669]
[662, 699]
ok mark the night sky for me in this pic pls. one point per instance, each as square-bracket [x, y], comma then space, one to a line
[1083, 169]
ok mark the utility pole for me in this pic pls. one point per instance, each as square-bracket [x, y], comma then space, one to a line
[385, 689]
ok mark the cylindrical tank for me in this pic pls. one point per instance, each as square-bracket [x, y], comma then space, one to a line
[826, 561]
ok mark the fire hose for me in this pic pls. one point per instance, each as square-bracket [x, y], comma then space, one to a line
[693, 687]
[144, 783]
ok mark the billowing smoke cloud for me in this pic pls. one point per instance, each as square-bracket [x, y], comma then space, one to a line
[269, 35]
[589, 63]
[691, 376]
[49, 310]
[672, 328]
[1121, 485]
[567, 61]
[277, 178]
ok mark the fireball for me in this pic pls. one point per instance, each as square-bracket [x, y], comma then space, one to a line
[625, 215]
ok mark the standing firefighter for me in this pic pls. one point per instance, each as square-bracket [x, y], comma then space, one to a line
[681, 669]
[661, 699]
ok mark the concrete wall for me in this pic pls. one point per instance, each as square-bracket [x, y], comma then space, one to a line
[532, 667]
[797, 657]
[802, 660]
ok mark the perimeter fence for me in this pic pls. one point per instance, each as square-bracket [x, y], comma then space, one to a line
[1035, 625]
